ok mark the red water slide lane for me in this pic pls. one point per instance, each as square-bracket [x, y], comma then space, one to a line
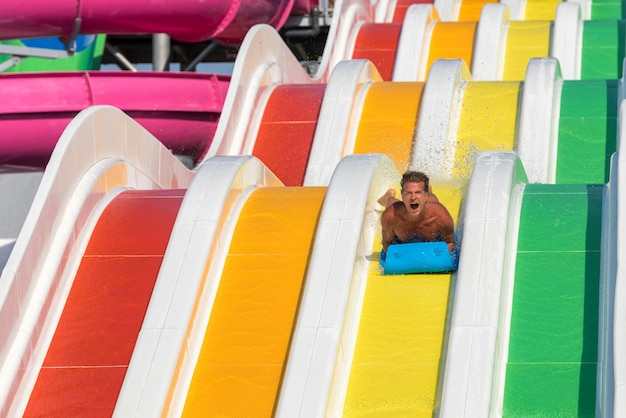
[403, 5]
[90, 351]
[378, 42]
[180, 109]
[184, 20]
[287, 129]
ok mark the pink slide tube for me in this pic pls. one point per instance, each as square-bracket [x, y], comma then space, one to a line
[184, 20]
[180, 109]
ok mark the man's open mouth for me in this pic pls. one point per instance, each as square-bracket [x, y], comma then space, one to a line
[415, 205]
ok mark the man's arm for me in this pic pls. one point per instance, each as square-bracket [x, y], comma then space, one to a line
[387, 221]
[449, 239]
[446, 228]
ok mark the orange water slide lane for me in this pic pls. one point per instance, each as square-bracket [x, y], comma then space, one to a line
[388, 121]
[471, 9]
[87, 359]
[452, 40]
[287, 129]
[398, 354]
[239, 369]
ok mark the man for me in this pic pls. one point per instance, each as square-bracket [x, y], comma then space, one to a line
[417, 217]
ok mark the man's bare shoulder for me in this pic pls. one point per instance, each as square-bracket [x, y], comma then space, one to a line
[437, 209]
[438, 206]
[393, 210]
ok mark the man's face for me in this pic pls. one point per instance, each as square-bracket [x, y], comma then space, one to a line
[414, 197]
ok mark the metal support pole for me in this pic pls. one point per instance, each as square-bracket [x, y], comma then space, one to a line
[122, 61]
[11, 62]
[206, 51]
[160, 52]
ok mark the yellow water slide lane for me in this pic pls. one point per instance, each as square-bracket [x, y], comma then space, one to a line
[487, 122]
[240, 365]
[400, 339]
[525, 40]
[541, 9]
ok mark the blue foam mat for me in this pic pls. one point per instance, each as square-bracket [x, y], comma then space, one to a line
[419, 257]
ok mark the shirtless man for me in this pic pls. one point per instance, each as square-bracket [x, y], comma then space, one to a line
[418, 216]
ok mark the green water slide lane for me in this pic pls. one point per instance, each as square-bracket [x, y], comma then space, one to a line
[553, 340]
[603, 49]
[607, 9]
[587, 131]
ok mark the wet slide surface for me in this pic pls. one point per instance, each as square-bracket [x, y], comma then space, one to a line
[400, 340]
[388, 121]
[387, 125]
[553, 352]
[487, 121]
[91, 348]
[240, 365]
